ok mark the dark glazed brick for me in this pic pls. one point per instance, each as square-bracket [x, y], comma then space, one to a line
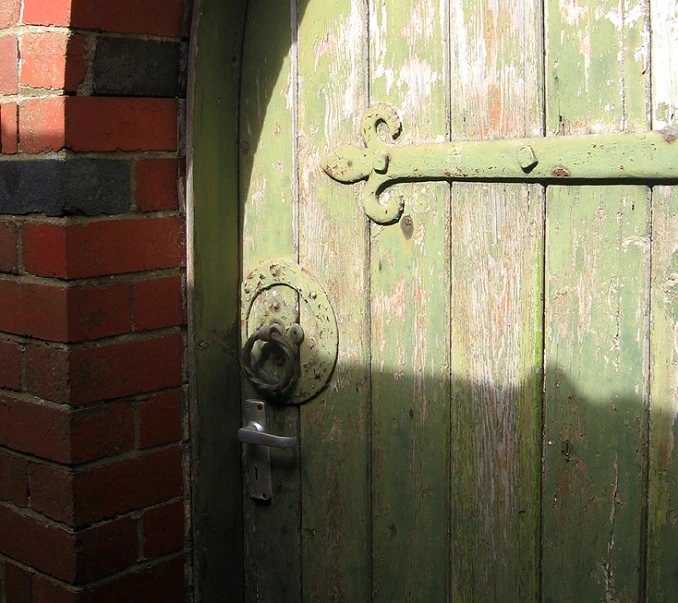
[31, 186]
[73, 187]
[137, 68]
[97, 187]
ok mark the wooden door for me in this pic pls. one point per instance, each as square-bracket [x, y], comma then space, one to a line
[499, 425]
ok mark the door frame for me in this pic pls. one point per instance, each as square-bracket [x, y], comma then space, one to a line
[213, 276]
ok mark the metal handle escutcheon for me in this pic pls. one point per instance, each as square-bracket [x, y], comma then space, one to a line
[258, 450]
[254, 433]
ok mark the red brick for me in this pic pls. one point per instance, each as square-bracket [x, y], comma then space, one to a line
[42, 124]
[9, 59]
[37, 543]
[124, 369]
[160, 420]
[139, 482]
[8, 246]
[51, 490]
[84, 496]
[53, 12]
[48, 591]
[157, 184]
[52, 60]
[17, 584]
[34, 310]
[103, 247]
[164, 530]
[44, 249]
[121, 124]
[9, 12]
[105, 549]
[10, 365]
[34, 428]
[9, 128]
[13, 479]
[98, 311]
[47, 373]
[89, 375]
[87, 555]
[103, 431]
[158, 303]
[159, 583]
[160, 17]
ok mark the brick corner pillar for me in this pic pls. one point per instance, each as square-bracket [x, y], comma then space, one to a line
[92, 302]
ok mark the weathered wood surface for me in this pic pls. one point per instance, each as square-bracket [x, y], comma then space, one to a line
[272, 530]
[662, 547]
[496, 392]
[496, 258]
[663, 479]
[597, 243]
[664, 20]
[419, 475]
[597, 274]
[597, 66]
[410, 318]
[597, 268]
[214, 306]
[335, 493]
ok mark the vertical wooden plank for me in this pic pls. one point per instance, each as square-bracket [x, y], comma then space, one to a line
[213, 231]
[497, 278]
[410, 318]
[664, 19]
[596, 314]
[663, 482]
[332, 228]
[597, 274]
[272, 530]
[663, 479]
[597, 70]
[496, 392]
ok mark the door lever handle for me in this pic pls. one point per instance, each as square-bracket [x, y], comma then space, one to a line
[254, 433]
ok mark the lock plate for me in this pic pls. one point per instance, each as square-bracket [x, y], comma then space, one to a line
[258, 458]
[282, 291]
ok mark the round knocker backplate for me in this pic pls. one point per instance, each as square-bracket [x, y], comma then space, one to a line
[282, 293]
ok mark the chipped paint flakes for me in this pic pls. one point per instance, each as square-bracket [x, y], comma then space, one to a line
[572, 12]
[417, 80]
[421, 22]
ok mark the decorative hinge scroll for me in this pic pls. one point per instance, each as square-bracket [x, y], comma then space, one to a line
[646, 156]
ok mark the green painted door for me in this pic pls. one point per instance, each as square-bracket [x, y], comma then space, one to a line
[500, 422]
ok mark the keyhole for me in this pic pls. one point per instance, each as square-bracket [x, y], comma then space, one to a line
[256, 472]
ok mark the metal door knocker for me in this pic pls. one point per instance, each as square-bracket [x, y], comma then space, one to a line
[287, 363]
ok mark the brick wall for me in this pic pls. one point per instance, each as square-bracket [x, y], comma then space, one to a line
[92, 310]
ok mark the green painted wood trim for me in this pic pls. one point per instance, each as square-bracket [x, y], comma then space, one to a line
[596, 301]
[335, 488]
[410, 292]
[663, 485]
[272, 538]
[213, 275]
[496, 257]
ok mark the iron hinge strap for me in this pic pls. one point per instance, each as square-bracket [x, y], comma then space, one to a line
[641, 157]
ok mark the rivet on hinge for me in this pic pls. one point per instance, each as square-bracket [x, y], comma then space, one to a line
[380, 163]
[527, 160]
